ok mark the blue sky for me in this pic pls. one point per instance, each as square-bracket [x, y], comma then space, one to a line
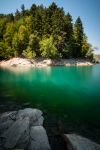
[88, 10]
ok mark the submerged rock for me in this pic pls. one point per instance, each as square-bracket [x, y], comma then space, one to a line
[39, 139]
[19, 127]
[76, 142]
[32, 114]
[7, 116]
[6, 120]
[14, 133]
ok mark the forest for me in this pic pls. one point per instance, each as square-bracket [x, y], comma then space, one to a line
[43, 32]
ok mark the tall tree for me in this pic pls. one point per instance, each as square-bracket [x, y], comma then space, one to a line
[78, 33]
[3, 22]
[33, 10]
[20, 40]
[9, 32]
[69, 41]
[23, 9]
[34, 43]
[17, 15]
[68, 27]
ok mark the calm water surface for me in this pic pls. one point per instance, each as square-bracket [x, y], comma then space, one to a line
[69, 93]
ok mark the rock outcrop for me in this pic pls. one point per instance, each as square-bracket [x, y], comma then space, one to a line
[38, 139]
[23, 129]
[76, 142]
[40, 62]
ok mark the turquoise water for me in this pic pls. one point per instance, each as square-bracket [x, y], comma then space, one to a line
[69, 93]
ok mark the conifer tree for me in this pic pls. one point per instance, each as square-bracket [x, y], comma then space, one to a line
[23, 9]
[78, 33]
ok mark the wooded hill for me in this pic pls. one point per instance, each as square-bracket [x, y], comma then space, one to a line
[42, 32]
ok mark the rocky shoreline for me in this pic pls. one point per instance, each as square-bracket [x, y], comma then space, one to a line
[40, 62]
[23, 129]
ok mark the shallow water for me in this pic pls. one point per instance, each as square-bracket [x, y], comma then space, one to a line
[70, 94]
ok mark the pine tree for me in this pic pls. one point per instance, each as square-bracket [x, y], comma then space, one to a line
[17, 15]
[69, 27]
[69, 41]
[23, 9]
[33, 10]
[78, 33]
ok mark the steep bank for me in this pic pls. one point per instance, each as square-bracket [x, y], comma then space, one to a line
[40, 62]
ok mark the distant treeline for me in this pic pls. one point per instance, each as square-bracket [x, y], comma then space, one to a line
[42, 32]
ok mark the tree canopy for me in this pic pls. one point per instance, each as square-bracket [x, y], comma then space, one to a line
[42, 32]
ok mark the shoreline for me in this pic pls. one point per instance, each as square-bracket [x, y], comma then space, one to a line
[40, 62]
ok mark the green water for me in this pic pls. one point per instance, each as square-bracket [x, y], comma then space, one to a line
[69, 93]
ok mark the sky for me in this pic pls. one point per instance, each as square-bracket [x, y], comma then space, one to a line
[88, 10]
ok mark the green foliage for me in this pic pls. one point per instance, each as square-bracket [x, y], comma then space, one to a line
[46, 32]
[68, 27]
[15, 44]
[5, 51]
[85, 46]
[17, 15]
[23, 9]
[10, 17]
[47, 48]
[78, 34]
[67, 51]
[22, 39]
[28, 53]
[2, 50]
[10, 29]
[29, 24]
[89, 54]
[34, 43]
[2, 27]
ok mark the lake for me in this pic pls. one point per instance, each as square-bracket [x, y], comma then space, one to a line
[67, 95]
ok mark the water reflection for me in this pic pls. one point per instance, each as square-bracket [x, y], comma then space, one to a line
[16, 70]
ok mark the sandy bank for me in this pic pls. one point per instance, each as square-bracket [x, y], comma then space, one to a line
[40, 62]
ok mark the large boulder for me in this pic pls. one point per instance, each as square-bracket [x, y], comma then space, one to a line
[34, 115]
[15, 132]
[76, 142]
[7, 116]
[39, 139]
[17, 129]
[6, 120]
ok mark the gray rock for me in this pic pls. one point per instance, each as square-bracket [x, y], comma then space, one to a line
[38, 122]
[15, 132]
[5, 125]
[23, 140]
[39, 139]
[76, 142]
[33, 114]
[19, 128]
[6, 120]
[7, 116]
